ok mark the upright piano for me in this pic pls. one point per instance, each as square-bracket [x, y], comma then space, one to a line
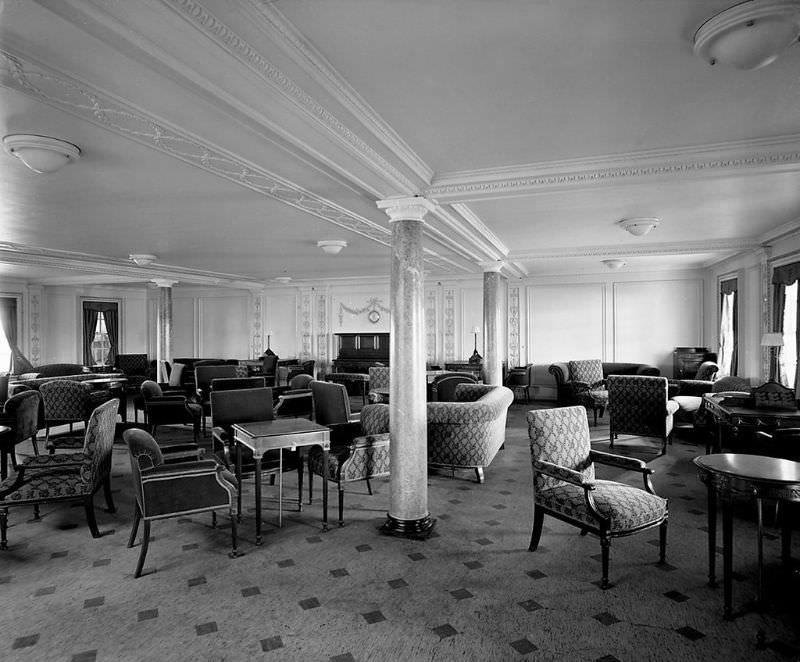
[358, 351]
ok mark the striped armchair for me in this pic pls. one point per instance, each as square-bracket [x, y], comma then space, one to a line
[640, 406]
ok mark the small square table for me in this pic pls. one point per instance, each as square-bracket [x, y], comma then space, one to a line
[279, 434]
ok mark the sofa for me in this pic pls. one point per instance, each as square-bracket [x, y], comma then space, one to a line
[564, 392]
[467, 433]
[45, 373]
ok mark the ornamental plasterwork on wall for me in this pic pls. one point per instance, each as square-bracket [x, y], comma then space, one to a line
[374, 308]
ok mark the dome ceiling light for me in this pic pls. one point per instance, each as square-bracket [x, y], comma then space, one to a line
[142, 259]
[40, 153]
[332, 246]
[639, 227]
[749, 35]
[614, 263]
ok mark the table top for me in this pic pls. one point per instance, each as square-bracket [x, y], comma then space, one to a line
[279, 426]
[262, 436]
[119, 379]
[730, 407]
[757, 468]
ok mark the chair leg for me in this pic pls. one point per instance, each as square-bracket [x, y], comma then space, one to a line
[3, 528]
[3, 465]
[341, 504]
[213, 519]
[536, 533]
[110, 507]
[143, 551]
[88, 506]
[479, 474]
[605, 544]
[234, 553]
[369, 487]
[310, 481]
[35, 447]
[137, 517]
[662, 542]
[36, 511]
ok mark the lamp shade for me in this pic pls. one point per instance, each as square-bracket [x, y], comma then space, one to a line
[772, 339]
[476, 329]
[40, 153]
[749, 35]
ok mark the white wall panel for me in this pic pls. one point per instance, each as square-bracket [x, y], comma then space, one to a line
[225, 326]
[183, 327]
[651, 318]
[280, 321]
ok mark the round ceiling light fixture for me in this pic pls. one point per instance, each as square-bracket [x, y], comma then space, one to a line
[40, 153]
[283, 279]
[614, 263]
[332, 246]
[749, 35]
[640, 226]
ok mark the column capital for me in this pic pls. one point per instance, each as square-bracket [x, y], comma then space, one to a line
[164, 282]
[406, 208]
[492, 267]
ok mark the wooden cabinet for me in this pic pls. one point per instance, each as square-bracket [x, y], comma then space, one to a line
[357, 351]
[686, 361]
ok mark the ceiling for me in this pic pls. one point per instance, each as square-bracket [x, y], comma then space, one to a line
[227, 136]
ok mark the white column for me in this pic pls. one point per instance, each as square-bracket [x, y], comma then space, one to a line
[164, 327]
[408, 515]
[495, 303]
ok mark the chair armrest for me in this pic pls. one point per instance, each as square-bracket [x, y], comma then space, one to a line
[165, 398]
[370, 441]
[563, 473]
[695, 387]
[220, 435]
[620, 461]
[343, 434]
[194, 468]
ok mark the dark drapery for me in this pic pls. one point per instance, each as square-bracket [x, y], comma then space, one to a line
[8, 323]
[727, 288]
[90, 315]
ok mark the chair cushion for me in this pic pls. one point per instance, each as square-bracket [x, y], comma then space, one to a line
[628, 507]
[589, 371]
[176, 374]
[50, 477]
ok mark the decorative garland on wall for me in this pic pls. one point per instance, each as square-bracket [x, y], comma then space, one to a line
[373, 304]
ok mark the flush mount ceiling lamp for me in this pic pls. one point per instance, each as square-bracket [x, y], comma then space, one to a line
[332, 246]
[40, 153]
[614, 263]
[749, 35]
[283, 279]
[639, 227]
[142, 259]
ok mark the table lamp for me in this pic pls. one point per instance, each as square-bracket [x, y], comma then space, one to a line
[772, 340]
[475, 358]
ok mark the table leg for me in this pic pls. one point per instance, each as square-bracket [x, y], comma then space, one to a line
[325, 489]
[712, 533]
[301, 455]
[239, 481]
[257, 459]
[280, 487]
[727, 556]
[760, 536]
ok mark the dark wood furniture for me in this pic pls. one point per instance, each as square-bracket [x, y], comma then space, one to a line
[475, 369]
[686, 361]
[734, 475]
[356, 352]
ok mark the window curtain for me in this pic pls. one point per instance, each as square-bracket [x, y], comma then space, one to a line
[781, 277]
[729, 327]
[8, 323]
[90, 315]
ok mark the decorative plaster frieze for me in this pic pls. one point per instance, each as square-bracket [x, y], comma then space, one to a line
[315, 65]
[35, 326]
[782, 152]
[322, 333]
[374, 303]
[306, 325]
[513, 327]
[430, 325]
[256, 334]
[449, 315]
[238, 47]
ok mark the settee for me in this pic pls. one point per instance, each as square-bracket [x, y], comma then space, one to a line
[467, 433]
[564, 391]
[45, 373]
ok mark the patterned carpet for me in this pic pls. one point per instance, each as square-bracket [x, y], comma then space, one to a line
[471, 592]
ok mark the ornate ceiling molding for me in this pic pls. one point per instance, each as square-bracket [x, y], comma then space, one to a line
[750, 156]
[649, 250]
[237, 47]
[317, 66]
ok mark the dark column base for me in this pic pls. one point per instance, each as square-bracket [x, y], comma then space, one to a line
[415, 529]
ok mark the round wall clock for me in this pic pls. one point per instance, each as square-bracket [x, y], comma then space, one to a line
[374, 316]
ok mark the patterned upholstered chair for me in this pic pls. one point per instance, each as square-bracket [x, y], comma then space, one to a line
[443, 387]
[467, 434]
[175, 490]
[565, 486]
[66, 476]
[587, 385]
[68, 402]
[136, 368]
[365, 456]
[21, 415]
[379, 377]
[168, 409]
[640, 406]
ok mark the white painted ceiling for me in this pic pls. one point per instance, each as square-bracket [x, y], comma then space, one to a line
[228, 136]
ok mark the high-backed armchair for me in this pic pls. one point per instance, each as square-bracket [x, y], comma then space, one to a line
[205, 374]
[331, 404]
[364, 456]
[66, 476]
[640, 406]
[443, 387]
[21, 415]
[379, 378]
[565, 486]
[68, 402]
[269, 367]
[467, 434]
[175, 490]
[168, 409]
[136, 368]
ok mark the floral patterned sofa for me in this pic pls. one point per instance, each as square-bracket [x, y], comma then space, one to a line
[467, 433]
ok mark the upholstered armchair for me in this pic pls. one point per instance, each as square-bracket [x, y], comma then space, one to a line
[68, 402]
[331, 404]
[21, 415]
[640, 406]
[565, 486]
[467, 434]
[205, 374]
[521, 377]
[168, 409]
[136, 368]
[269, 367]
[66, 476]
[587, 385]
[175, 490]
[443, 387]
[379, 378]
[305, 368]
[364, 457]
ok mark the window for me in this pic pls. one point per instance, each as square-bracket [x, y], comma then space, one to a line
[728, 335]
[100, 332]
[787, 359]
